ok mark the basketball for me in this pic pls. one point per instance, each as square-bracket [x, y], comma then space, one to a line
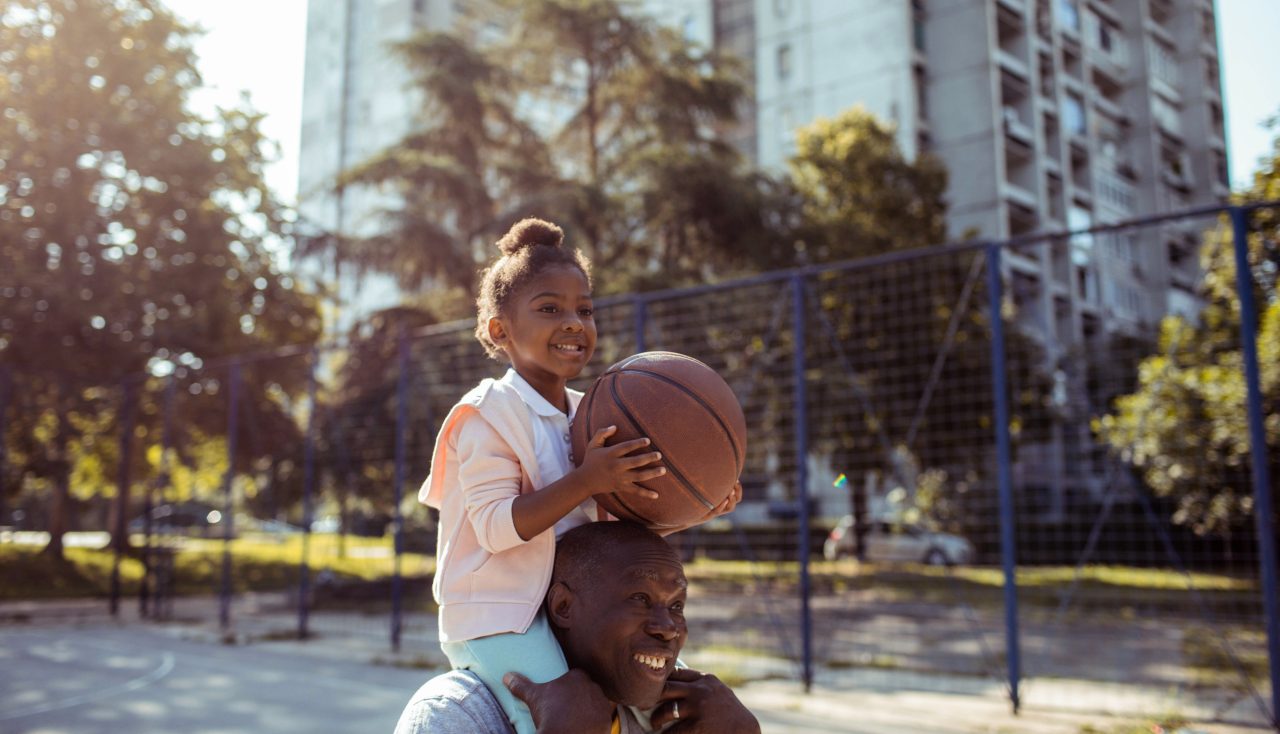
[690, 415]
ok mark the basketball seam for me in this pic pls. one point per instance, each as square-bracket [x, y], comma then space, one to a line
[737, 457]
[617, 401]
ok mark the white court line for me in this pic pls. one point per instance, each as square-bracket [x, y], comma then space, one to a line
[166, 666]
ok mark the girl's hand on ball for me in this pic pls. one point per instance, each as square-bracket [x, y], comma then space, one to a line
[617, 467]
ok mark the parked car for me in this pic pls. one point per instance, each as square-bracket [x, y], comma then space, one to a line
[894, 542]
[194, 519]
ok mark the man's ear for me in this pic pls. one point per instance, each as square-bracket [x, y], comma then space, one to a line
[497, 331]
[560, 605]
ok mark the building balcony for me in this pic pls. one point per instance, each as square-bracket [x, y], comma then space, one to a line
[1108, 108]
[1159, 31]
[1105, 10]
[1017, 130]
[1021, 197]
[1179, 181]
[1013, 64]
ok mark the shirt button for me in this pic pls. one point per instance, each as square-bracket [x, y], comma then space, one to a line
[566, 438]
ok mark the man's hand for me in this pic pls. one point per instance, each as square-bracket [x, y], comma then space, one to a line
[704, 704]
[570, 704]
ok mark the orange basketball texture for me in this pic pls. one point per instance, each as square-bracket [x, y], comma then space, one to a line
[690, 415]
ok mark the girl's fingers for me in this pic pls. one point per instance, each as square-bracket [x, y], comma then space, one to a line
[644, 475]
[626, 447]
[601, 435]
[634, 462]
[630, 488]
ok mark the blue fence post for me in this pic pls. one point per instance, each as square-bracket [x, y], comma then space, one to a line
[308, 485]
[162, 477]
[120, 527]
[641, 323]
[1004, 479]
[402, 427]
[1258, 451]
[802, 469]
[5, 387]
[228, 480]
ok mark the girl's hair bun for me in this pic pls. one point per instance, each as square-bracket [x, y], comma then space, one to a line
[530, 232]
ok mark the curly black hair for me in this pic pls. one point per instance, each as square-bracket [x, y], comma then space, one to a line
[528, 248]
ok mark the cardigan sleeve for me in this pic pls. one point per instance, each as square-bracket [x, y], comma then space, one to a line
[490, 475]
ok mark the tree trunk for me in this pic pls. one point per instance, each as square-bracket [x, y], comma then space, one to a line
[120, 513]
[61, 482]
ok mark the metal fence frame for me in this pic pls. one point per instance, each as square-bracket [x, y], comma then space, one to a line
[795, 281]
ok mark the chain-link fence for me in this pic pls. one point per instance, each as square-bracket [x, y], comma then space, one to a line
[1045, 466]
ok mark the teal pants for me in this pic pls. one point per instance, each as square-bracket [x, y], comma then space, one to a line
[535, 654]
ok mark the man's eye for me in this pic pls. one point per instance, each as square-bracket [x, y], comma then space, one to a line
[678, 607]
[640, 597]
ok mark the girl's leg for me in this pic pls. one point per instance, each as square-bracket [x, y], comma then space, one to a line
[536, 654]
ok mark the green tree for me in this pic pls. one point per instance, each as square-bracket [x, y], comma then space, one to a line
[860, 194]
[1185, 427]
[136, 237]
[581, 111]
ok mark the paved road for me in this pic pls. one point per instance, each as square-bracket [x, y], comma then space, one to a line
[105, 679]
[97, 677]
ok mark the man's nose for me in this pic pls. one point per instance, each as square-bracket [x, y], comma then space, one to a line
[663, 625]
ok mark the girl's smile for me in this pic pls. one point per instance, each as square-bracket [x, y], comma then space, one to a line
[549, 331]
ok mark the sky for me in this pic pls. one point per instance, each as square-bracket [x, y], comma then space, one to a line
[258, 46]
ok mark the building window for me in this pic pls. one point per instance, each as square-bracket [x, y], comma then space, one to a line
[1069, 14]
[1164, 64]
[917, 24]
[1073, 114]
[1105, 37]
[922, 99]
[784, 61]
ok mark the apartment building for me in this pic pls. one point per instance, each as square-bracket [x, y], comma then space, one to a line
[1050, 115]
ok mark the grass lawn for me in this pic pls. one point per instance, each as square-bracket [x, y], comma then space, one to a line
[271, 562]
[258, 564]
[1038, 586]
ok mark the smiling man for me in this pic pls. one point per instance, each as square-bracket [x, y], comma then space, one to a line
[616, 604]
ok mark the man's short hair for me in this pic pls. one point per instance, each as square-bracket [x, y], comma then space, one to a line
[583, 553]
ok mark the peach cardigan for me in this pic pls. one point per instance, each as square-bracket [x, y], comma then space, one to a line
[488, 579]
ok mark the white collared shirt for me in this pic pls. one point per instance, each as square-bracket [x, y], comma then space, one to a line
[551, 444]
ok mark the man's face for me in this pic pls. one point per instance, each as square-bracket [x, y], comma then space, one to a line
[629, 626]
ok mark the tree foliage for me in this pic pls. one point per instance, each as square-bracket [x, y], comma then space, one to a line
[861, 195]
[135, 235]
[581, 111]
[1185, 427]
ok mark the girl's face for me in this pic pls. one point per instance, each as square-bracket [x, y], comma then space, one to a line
[548, 330]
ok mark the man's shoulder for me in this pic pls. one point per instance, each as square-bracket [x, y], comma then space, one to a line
[456, 701]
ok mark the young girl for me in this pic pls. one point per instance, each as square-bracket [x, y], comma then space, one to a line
[501, 474]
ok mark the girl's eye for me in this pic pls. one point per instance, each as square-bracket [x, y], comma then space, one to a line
[586, 311]
[548, 308]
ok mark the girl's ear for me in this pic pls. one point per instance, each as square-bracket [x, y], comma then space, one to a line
[560, 605]
[497, 331]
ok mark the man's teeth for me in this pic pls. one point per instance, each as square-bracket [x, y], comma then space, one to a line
[652, 661]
